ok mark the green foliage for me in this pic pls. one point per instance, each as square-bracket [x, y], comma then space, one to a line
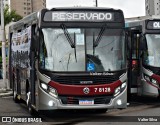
[10, 16]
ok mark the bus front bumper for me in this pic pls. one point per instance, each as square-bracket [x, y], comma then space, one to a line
[48, 102]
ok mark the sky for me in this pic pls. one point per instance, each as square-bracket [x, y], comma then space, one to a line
[131, 8]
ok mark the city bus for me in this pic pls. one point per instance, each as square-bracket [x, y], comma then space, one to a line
[143, 56]
[69, 58]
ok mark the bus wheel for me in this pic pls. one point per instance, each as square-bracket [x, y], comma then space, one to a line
[29, 105]
[15, 95]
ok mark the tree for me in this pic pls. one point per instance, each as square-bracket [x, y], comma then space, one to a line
[7, 16]
[10, 16]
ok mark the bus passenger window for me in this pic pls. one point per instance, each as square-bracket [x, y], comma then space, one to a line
[42, 54]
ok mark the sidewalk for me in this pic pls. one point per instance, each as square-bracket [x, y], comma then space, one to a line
[3, 91]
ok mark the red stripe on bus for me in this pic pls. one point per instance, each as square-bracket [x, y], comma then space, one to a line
[156, 77]
[78, 89]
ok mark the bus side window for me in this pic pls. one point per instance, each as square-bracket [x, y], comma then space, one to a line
[135, 44]
[43, 53]
[128, 45]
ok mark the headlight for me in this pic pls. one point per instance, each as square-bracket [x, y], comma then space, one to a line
[52, 92]
[44, 86]
[123, 85]
[117, 91]
[49, 90]
[154, 82]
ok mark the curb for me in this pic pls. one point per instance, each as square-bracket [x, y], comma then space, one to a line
[4, 94]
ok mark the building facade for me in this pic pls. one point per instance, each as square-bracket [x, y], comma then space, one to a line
[26, 7]
[152, 7]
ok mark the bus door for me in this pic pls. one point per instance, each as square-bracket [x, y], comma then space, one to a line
[133, 61]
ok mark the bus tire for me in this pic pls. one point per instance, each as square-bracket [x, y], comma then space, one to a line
[15, 95]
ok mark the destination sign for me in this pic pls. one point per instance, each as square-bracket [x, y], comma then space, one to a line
[78, 16]
[153, 25]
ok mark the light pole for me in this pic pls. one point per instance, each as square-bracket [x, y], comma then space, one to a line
[3, 45]
[96, 3]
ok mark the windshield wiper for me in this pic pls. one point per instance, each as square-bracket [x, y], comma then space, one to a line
[68, 61]
[95, 43]
[75, 53]
[71, 42]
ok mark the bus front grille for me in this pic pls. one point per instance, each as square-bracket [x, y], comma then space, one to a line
[85, 79]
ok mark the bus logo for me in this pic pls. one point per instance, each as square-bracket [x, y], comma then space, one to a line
[86, 90]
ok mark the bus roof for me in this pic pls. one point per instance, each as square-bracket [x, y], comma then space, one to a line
[33, 18]
[84, 8]
[137, 21]
[148, 24]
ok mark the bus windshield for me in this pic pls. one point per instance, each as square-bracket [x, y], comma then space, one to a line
[152, 53]
[57, 54]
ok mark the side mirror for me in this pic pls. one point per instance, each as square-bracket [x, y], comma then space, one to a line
[34, 43]
[127, 45]
[35, 39]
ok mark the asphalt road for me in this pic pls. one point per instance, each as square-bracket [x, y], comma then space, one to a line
[140, 108]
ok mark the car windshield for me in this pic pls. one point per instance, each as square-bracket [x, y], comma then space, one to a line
[57, 53]
[152, 53]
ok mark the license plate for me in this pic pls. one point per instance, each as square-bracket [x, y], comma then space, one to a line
[86, 102]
